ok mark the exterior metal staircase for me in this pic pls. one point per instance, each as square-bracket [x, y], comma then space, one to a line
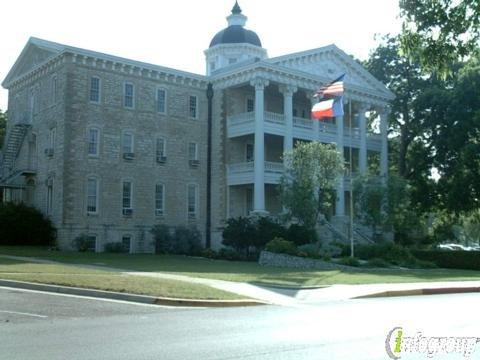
[14, 141]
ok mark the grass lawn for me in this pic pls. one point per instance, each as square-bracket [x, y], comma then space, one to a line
[105, 280]
[243, 271]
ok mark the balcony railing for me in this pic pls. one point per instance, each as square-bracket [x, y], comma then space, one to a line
[243, 173]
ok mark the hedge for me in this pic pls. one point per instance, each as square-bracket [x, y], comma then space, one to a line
[467, 260]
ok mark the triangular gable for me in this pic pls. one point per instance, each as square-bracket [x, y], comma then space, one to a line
[35, 52]
[329, 62]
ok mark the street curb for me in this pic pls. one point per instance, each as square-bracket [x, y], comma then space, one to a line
[288, 287]
[144, 299]
[427, 291]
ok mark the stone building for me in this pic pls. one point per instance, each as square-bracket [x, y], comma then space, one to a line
[109, 146]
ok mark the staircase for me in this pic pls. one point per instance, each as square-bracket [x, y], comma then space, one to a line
[13, 144]
[331, 233]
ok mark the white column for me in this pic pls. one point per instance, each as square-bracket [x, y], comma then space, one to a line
[259, 157]
[316, 122]
[340, 204]
[288, 91]
[384, 134]
[362, 123]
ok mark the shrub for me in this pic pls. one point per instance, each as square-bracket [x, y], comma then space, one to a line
[208, 253]
[24, 225]
[115, 247]
[163, 239]
[267, 229]
[281, 246]
[300, 234]
[239, 233]
[187, 241]
[390, 252]
[309, 250]
[467, 260]
[230, 254]
[83, 243]
[349, 261]
[180, 240]
[378, 263]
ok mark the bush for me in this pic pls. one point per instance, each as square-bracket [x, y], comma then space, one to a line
[467, 260]
[188, 241]
[163, 239]
[349, 261]
[281, 246]
[83, 243]
[209, 253]
[180, 240]
[116, 247]
[300, 234]
[24, 225]
[392, 253]
[266, 229]
[309, 250]
[230, 254]
[239, 233]
[378, 263]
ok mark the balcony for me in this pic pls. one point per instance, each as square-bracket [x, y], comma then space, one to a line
[244, 124]
[243, 173]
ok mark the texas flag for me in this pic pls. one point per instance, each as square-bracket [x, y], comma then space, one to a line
[328, 108]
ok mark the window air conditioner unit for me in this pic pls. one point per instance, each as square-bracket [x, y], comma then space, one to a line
[161, 159]
[158, 212]
[127, 212]
[49, 152]
[194, 163]
[128, 156]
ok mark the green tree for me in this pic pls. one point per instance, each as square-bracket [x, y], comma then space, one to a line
[3, 127]
[306, 188]
[440, 32]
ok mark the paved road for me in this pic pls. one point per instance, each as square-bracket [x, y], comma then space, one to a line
[47, 326]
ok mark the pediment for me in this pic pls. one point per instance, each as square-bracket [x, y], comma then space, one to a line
[329, 63]
[32, 55]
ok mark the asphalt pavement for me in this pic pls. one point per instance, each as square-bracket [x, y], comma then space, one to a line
[36, 325]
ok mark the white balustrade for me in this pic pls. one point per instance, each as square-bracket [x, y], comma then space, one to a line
[274, 167]
[302, 123]
[274, 117]
[242, 118]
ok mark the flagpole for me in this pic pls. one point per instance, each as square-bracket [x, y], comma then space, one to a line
[352, 252]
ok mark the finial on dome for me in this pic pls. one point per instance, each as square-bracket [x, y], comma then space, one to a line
[236, 8]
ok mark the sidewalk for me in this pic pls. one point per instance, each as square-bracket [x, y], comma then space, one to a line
[296, 297]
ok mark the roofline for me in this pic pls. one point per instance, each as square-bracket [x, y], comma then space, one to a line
[343, 54]
[63, 49]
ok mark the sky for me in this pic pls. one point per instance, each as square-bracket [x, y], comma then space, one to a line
[175, 33]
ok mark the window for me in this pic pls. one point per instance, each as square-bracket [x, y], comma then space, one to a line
[54, 89]
[161, 101]
[128, 96]
[127, 142]
[49, 196]
[51, 141]
[232, 60]
[249, 154]
[295, 112]
[250, 105]
[160, 150]
[91, 242]
[95, 89]
[212, 66]
[192, 107]
[159, 199]
[31, 105]
[192, 195]
[93, 141]
[192, 151]
[92, 195]
[127, 195]
[127, 243]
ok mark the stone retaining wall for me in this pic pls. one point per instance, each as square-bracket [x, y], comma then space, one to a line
[289, 261]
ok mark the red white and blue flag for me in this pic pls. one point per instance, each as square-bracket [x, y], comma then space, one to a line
[328, 108]
[335, 88]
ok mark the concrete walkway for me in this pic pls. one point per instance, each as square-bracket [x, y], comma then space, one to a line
[285, 296]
